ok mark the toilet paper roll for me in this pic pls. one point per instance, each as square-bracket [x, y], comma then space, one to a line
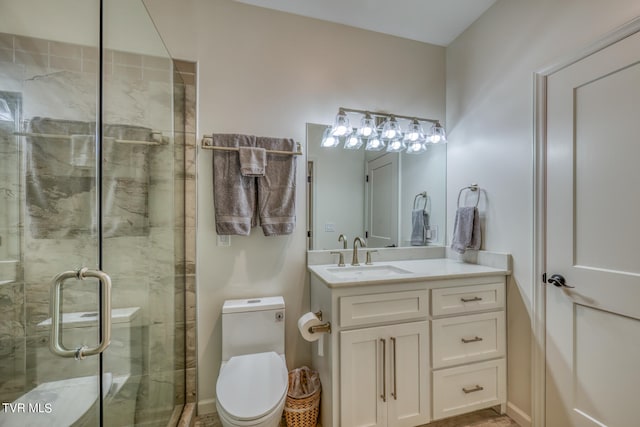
[306, 321]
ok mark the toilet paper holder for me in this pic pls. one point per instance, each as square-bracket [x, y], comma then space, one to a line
[324, 328]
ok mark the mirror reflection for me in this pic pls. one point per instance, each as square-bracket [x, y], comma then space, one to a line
[390, 199]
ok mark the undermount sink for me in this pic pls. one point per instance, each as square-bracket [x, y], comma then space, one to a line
[367, 271]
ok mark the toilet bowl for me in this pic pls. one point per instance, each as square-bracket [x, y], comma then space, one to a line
[251, 390]
[67, 391]
[62, 403]
[252, 384]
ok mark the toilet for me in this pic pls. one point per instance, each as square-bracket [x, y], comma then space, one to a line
[252, 383]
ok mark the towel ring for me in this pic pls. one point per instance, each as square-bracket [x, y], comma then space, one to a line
[415, 200]
[472, 187]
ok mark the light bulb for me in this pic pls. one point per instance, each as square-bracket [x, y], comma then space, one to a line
[328, 140]
[341, 126]
[353, 142]
[367, 127]
[395, 145]
[374, 144]
[437, 134]
[391, 130]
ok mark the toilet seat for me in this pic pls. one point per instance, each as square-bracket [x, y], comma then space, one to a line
[61, 402]
[252, 385]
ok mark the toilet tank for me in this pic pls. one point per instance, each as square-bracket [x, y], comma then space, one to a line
[122, 357]
[254, 325]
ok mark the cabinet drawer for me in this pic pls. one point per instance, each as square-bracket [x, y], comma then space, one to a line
[468, 388]
[358, 310]
[467, 299]
[464, 339]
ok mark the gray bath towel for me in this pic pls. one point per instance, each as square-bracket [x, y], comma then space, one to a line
[60, 180]
[277, 188]
[466, 230]
[419, 226]
[234, 195]
[253, 161]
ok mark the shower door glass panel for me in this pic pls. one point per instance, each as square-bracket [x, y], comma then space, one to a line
[143, 219]
[49, 86]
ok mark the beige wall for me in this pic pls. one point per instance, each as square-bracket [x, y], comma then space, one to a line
[269, 73]
[490, 117]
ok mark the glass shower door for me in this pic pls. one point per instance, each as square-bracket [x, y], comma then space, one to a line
[91, 179]
[143, 219]
[49, 210]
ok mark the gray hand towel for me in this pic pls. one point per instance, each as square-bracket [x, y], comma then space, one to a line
[253, 161]
[234, 195]
[419, 226]
[277, 188]
[82, 151]
[466, 230]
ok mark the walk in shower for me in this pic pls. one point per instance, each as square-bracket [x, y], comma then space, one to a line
[92, 197]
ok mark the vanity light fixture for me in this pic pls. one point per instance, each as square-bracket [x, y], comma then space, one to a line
[379, 130]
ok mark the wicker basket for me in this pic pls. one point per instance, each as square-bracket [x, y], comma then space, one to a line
[302, 412]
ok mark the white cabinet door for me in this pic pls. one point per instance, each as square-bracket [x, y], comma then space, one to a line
[593, 329]
[384, 376]
[363, 367]
[408, 395]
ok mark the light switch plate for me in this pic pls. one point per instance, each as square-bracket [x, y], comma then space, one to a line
[223, 240]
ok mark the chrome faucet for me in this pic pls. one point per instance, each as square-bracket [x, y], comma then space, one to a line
[342, 238]
[354, 260]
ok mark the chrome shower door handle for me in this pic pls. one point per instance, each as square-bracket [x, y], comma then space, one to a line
[55, 341]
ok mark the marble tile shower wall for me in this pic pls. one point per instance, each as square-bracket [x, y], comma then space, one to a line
[58, 80]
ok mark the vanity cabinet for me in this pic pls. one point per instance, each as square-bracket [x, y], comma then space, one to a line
[384, 375]
[405, 353]
[468, 348]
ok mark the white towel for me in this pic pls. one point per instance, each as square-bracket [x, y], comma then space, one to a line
[466, 230]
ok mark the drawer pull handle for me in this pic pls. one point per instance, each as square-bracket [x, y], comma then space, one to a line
[471, 299]
[467, 341]
[472, 390]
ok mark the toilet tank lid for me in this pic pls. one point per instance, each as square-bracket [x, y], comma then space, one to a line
[252, 304]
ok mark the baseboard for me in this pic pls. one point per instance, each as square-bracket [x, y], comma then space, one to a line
[207, 406]
[518, 415]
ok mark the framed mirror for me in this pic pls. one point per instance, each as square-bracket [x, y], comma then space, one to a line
[390, 199]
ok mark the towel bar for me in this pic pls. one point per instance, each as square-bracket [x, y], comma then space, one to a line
[472, 187]
[207, 146]
[156, 141]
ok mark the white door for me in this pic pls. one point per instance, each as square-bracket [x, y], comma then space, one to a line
[593, 239]
[382, 201]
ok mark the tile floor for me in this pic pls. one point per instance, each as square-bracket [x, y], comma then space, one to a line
[483, 418]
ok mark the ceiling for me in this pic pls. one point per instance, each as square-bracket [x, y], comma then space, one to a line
[430, 21]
